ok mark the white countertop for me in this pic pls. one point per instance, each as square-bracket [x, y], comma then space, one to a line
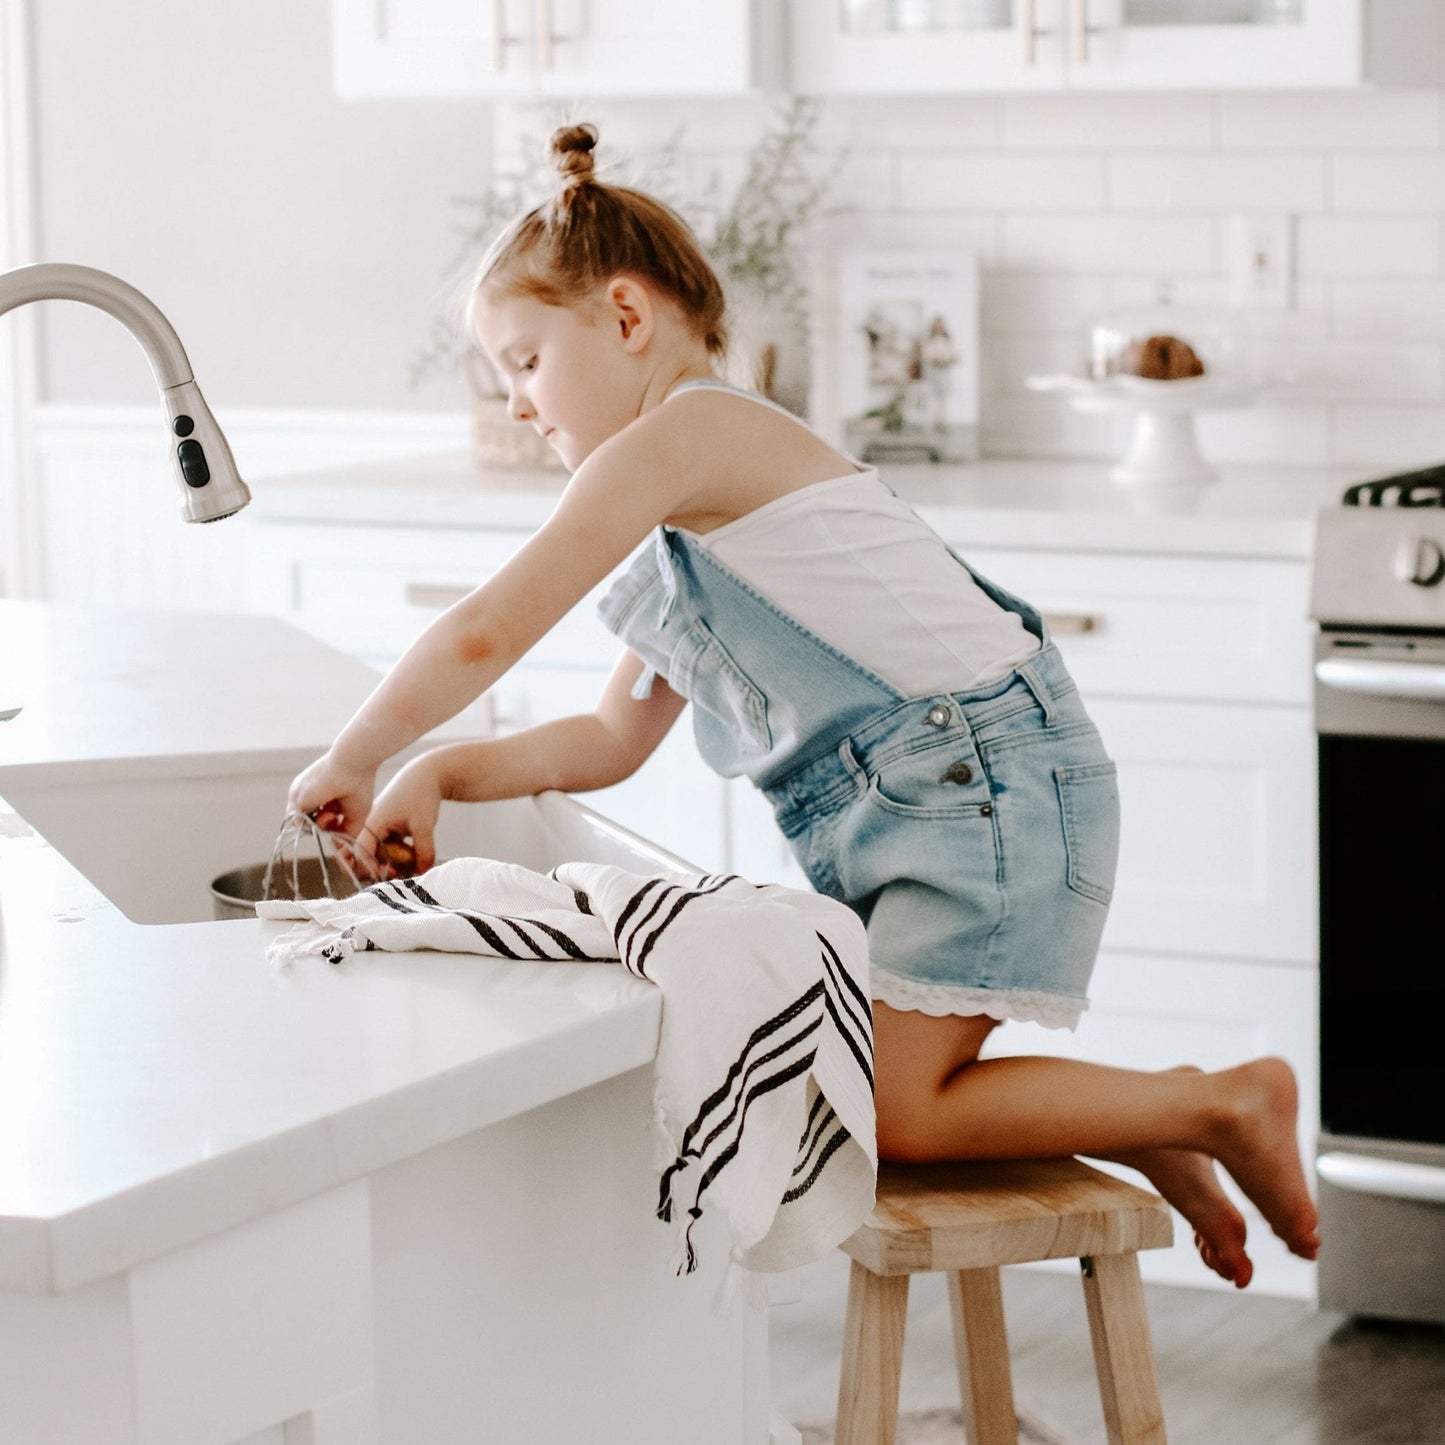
[1261, 511]
[160, 1083]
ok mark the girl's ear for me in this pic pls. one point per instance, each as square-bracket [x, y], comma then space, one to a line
[631, 312]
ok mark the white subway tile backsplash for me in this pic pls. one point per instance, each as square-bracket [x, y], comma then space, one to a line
[1079, 204]
[1367, 246]
[1336, 120]
[1009, 361]
[1349, 371]
[1213, 183]
[1107, 122]
[913, 123]
[1036, 425]
[1390, 310]
[1267, 432]
[1405, 183]
[1161, 246]
[1388, 438]
[1022, 301]
[1001, 183]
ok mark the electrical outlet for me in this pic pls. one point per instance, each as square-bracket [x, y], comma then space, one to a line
[1261, 260]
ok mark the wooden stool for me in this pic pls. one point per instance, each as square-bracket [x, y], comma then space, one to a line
[969, 1219]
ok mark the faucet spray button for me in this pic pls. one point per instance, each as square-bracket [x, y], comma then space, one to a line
[193, 464]
[183, 426]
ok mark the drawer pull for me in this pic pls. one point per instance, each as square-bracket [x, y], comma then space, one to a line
[1066, 624]
[433, 594]
[1389, 1178]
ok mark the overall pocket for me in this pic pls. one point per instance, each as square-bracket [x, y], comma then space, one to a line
[702, 670]
[940, 778]
[1089, 803]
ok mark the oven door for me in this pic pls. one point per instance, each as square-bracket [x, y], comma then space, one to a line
[1380, 713]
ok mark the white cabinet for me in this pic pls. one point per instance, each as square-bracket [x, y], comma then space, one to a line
[498, 48]
[942, 46]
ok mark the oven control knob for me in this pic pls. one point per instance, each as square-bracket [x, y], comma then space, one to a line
[1420, 560]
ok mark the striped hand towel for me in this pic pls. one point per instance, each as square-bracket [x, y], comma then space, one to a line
[763, 1086]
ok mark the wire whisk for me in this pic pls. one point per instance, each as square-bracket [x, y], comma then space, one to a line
[335, 853]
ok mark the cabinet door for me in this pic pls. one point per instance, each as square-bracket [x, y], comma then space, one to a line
[658, 47]
[455, 48]
[1218, 838]
[489, 48]
[1219, 44]
[860, 47]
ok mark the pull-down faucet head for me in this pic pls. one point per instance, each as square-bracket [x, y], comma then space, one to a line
[211, 487]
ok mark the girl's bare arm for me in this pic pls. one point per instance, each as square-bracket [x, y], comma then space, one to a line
[573, 754]
[639, 478]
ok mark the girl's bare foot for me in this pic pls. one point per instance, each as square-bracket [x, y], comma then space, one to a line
[1255, 1141]
[1186, 1178]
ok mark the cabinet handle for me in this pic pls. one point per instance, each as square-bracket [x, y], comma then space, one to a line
[501, 41]
[542, 20]
[1082, 30]
[1028, 29]
[433, 594]
[1068, 624]
[1389, 1178]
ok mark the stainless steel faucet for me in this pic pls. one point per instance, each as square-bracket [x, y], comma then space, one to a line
[211, 487]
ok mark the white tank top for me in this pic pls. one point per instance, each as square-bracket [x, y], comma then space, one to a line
[860, 569]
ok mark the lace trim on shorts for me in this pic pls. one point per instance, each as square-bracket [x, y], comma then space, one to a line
[1052, 1010]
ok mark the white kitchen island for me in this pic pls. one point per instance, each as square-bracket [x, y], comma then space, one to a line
[407, 1199]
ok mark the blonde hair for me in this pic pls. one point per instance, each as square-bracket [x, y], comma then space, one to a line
[588, 232]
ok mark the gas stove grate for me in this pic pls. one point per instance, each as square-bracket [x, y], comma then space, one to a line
[1425, 488]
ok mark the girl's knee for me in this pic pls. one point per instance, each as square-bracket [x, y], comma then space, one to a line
[907, 1120]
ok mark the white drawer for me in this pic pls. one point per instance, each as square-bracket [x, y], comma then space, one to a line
[370, 591]
[1189, 627]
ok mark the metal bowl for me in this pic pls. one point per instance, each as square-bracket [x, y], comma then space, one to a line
[235, 894]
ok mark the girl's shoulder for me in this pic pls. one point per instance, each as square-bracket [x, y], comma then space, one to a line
[741, 451]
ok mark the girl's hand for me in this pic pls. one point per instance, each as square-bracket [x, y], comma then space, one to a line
[336, 796]
[404, 815]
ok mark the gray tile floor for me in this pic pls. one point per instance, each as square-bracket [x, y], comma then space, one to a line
[1234, 1369]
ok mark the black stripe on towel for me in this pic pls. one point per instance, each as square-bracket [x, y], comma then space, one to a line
[476, 918]
[739, 1069]
[666, 922]
[864, 1011]
[809, 1142]
[633, 904]
[835, 1142]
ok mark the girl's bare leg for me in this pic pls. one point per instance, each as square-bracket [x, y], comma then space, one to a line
[1187, 1179]
[937, 1100]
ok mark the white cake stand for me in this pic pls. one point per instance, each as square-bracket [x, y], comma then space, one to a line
[1163, 454]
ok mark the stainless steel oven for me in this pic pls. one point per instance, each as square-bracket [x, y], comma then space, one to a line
[1378, 597]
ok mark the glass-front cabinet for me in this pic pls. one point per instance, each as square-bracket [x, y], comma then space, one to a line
[940, 46]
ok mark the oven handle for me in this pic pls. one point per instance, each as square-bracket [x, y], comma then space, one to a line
[1383, 679]
[1363, 1174]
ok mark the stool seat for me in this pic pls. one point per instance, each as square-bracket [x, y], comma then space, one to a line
[969, 1219]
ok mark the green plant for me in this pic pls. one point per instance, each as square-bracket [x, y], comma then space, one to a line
[754, 232]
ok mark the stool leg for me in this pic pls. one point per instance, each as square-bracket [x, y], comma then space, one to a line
[1123, 1355]
[980, 1347]
[872, 1358]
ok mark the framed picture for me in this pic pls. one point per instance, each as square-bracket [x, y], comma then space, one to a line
[898, 377]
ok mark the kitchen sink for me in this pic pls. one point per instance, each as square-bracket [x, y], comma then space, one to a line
[154, 846]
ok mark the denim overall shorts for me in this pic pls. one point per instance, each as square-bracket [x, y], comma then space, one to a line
[975, 833]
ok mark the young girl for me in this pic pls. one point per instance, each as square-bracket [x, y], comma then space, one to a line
[914, 727]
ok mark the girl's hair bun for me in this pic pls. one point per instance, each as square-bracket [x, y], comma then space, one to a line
[570, 151]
